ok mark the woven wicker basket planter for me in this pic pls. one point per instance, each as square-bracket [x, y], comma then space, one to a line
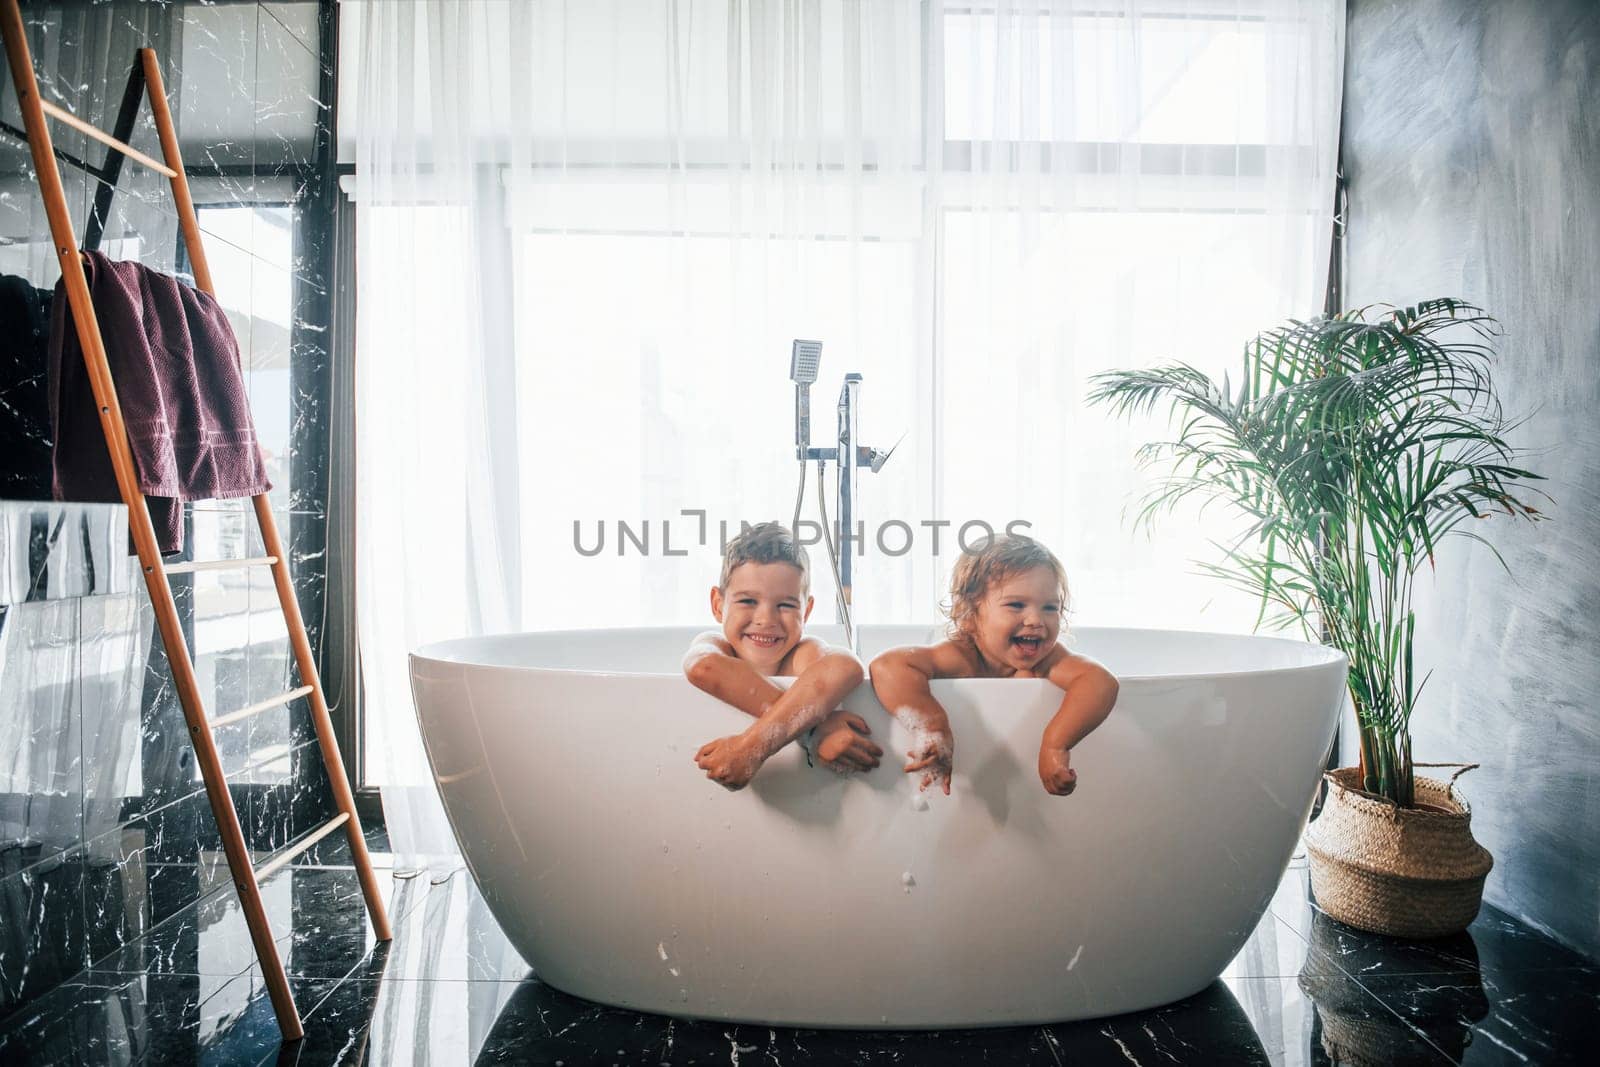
[1406, 872]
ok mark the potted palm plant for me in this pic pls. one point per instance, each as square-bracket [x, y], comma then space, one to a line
[1354, 445]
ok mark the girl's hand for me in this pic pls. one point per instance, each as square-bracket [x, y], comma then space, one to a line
[933, 755]
[841, 743]
[1055, 771]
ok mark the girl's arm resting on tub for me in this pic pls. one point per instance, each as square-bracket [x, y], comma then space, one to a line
[900, 676]
[1091, 693]
[901, 679]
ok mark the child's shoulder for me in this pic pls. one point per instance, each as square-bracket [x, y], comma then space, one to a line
[1063, 665]
[805, 652]
[709, 643]
[950, 658]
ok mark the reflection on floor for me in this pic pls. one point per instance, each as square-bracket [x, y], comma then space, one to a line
[449, 990]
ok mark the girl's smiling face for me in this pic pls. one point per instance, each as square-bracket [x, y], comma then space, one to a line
[1018, 620]
[763, 612]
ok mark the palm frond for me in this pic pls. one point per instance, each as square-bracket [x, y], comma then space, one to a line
[1353, 445]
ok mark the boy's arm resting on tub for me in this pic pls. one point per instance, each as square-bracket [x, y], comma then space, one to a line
[840, 738]
[1091, 693]
[710, 665]
[825, 676]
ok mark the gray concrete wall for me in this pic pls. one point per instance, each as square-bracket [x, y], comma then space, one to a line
[1472, 147]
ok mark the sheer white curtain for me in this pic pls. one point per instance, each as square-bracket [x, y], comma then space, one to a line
[433, 498]
[1123, 184]
[588, 233]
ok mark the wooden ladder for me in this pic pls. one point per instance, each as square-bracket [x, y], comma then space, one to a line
[246, 876]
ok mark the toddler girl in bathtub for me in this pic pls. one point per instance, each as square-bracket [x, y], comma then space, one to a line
[1006, 601]
[762, 602]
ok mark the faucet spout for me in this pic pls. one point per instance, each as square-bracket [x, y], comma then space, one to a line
[877, 457]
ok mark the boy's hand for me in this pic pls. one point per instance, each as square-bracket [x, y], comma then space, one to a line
[841, 743]
[933, 755]
[728, 761]
[1055, 771]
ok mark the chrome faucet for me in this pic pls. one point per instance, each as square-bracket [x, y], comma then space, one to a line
[847, 452]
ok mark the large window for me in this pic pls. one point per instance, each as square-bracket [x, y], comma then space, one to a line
[977, 206]
[1099, 203]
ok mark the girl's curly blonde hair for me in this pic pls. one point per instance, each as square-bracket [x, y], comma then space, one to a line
[1000, 558]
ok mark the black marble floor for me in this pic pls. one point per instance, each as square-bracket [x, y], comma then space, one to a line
[450, 990]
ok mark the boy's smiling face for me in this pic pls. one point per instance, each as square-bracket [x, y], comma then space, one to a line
[763, 612]
[1018, 619]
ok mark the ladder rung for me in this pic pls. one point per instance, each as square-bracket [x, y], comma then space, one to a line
[63, 115]
[189, 566]
[272, 866]
[245, 713]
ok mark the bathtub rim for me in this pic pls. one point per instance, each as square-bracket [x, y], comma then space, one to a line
[438, 652]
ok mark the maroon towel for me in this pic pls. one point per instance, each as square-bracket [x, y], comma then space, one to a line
[175, 365]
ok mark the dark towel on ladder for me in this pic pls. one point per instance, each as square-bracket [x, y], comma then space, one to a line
[175, 366]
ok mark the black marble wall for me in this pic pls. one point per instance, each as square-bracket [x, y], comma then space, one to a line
[104, 829]
[1472, 148]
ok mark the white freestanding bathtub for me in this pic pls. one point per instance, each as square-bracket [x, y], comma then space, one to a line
[623, 875]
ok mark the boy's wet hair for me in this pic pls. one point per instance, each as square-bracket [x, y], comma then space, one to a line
[1001, 557]
[766, 542]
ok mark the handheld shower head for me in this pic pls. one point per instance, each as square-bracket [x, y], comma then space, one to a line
[804, 358]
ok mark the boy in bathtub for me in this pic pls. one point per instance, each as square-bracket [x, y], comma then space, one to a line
[1006, 600]
[762, 602]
